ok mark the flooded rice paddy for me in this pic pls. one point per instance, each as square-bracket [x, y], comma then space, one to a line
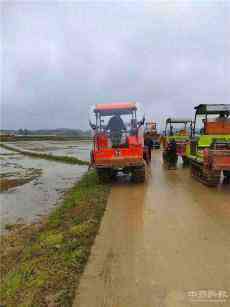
[79, 149]
[31, 187]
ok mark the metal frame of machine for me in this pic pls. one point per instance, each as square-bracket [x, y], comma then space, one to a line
[182, 138]
[210, 151]
[127, 156]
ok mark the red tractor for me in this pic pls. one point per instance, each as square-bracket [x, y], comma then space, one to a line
[118, 143]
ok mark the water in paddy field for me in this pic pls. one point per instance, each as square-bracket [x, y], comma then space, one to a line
[32, 187]
[79, 149]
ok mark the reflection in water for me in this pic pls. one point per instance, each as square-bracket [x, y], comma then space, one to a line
[79, 149]
[44, 183]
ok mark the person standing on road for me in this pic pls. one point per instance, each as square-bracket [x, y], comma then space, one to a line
[148, 142]
[172, 154]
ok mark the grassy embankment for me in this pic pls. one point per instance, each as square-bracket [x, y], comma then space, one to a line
[41, 263]
[65, 159]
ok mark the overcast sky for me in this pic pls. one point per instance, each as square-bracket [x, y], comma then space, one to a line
[57, 59]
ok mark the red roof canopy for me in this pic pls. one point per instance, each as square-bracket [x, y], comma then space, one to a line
[118, 106]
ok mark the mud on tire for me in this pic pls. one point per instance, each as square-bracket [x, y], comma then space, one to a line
[165, 157]
[169, 161]
[210, 178]
[186, 161]
[104, 175]
[138, 174]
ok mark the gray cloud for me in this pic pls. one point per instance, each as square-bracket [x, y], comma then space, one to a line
[60, 58]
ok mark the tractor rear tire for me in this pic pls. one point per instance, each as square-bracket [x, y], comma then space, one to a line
[104, 175]
[170, 161]
[226, 173]
[213, 178]
[226, 176]
[186, 161]
[138, 174]
[165, 157]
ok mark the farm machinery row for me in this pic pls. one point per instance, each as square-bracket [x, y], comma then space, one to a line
[203, 143]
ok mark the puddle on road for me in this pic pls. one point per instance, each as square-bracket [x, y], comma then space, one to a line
[212, 201]
[32, 187]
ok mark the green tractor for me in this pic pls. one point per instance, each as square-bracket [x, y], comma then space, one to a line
[210, 144]
[178, 130]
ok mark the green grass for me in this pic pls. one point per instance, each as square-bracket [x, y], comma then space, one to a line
[65, 159]
[41, 263]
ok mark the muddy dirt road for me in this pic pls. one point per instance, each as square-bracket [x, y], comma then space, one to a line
[160, 244]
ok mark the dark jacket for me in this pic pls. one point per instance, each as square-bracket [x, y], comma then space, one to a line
[116, 124]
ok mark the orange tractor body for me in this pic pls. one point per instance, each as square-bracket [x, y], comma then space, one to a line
[118, 149]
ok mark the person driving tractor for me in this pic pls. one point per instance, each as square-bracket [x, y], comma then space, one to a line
[172, 157]
[115, 126]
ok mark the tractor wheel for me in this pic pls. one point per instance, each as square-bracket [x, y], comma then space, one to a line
[212, 178]
[186, 161]
[226, 176]
[113, 174]
[173, 162]
[170, 160]
[138, 174]
[195, 170]
[104, 175]
[165, 157]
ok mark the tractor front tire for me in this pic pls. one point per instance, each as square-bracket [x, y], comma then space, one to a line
[138, 174]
